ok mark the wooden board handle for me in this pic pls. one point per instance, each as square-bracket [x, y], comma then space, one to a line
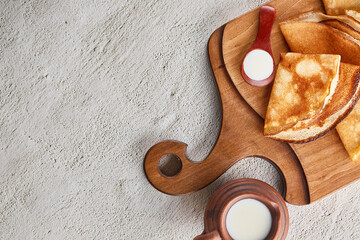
[240, 136]
[192, 176]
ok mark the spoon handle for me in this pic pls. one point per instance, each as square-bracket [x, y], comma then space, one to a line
[267, 17]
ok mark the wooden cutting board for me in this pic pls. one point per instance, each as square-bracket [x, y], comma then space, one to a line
[310, 171]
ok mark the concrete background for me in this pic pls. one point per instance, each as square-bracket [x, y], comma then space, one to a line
[86, 88]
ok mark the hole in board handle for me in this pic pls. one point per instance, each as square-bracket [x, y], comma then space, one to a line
[170, 165]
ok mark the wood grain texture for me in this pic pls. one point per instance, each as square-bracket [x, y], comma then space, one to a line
[310, 171]
[240, 136]
[239, 35]
[325, 162]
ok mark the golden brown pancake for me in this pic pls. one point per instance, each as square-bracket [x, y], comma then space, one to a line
[337, 7]
[301, 88]
[313, 37]
[353, 14]
[343, 27]
[349, 132]
[346, 94]
[317, 16]
[315, 32]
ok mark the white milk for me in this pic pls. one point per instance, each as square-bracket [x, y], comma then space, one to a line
[258, 65]
[248, 219]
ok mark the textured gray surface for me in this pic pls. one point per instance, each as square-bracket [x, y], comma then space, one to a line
[87, 87]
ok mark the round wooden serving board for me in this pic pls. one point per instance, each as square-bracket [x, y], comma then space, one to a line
[310, 171]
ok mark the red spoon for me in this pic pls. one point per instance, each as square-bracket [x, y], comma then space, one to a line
[258, 65]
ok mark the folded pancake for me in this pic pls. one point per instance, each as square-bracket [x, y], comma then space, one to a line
[310, 37]
[315, 32]
[303, 85]
[317, 16]
[349, 132]
[346, 95]
[337, 7]
[353, 14]
[342, 27]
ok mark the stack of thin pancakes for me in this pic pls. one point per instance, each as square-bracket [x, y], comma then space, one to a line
[318, 39]
[338, 7]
